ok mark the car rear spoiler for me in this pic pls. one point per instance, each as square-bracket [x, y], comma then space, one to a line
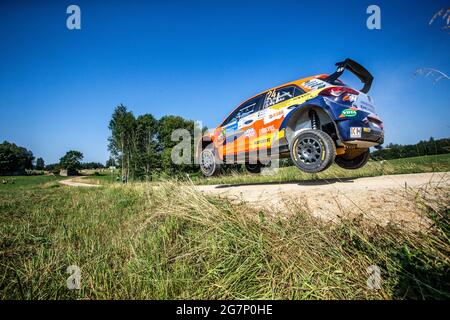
[354, 67]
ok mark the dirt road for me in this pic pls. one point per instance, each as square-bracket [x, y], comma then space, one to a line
[382, 199]
[75, 182]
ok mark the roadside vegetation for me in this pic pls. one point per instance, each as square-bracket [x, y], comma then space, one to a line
[160, 239]
[167, 241]
[436, 163]
[421, 148]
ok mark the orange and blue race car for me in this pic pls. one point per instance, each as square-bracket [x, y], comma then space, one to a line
[315, 121]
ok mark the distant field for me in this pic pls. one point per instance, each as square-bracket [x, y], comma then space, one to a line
[26, 182]
[438, 163]
[102, 178]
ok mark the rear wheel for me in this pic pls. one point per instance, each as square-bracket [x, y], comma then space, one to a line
[312, 150]
[352, 162]
[209, 164]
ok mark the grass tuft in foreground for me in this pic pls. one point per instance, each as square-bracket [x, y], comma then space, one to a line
[170, 242]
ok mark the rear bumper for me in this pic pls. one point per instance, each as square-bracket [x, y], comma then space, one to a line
[373, 135]
[356, 125]
[361, 134]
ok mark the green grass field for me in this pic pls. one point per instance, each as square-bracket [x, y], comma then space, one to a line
[166, 241]
[104, 178]
[26, 182]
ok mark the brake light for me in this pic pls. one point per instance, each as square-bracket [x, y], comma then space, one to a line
[338, 91]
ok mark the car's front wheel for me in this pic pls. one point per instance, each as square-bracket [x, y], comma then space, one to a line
[312, 150]
[351, 162]
[209, 164]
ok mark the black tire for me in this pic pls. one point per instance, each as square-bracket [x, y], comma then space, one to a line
[312, 151]
[209, 164]
[253, 167]
[354, 163]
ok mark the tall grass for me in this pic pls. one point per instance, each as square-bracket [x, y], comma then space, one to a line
[171, 242]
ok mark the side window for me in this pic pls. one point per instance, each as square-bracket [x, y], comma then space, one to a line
[243, 110]
[282, 94]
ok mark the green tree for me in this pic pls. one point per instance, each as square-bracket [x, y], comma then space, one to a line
[122, 126]
[71, 161]
[110, 162]
[53, 167]
[422, 148]
[144, 144]
[40, 165]
[92, 165]
[145, 153]
[167, 125]
[14, 159]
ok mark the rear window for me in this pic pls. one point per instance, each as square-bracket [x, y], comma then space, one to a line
[336, 82]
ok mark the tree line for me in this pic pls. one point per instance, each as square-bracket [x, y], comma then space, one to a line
[141, 146]
[422, 148]
[55, 167]
[16, 160]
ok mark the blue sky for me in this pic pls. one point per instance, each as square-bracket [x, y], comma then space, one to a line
[58, 87]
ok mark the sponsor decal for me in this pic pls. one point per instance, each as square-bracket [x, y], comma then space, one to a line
[367, 106]
[366, 129]
[348, 113]
[267, 129]
[231, 128]
[350, 97]
[222, 133]
[276, 114]
[261, 113]
[355, 132]
[364, 106]
[250, 132]
[314, 84]
[265, 140]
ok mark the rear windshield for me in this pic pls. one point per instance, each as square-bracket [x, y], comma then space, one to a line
[336, 82]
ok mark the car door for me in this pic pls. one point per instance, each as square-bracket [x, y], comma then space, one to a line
[247, 117]
[231, 132]
[226, 133]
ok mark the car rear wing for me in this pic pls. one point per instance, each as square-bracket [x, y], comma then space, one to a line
[354, 67]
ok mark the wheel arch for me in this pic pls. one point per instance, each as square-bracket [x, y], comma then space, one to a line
[201, 144]
[298, 119]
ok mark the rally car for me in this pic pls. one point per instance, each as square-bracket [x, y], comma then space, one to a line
[316, 121]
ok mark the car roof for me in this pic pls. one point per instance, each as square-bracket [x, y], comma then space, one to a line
[297, 82]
